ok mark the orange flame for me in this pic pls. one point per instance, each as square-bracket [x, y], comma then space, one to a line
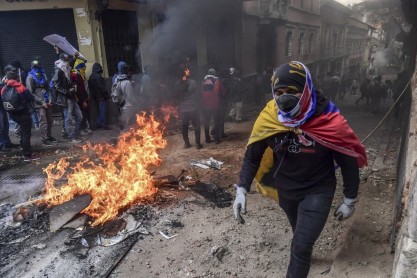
[186, 74]
[116, 178]
[167, 111]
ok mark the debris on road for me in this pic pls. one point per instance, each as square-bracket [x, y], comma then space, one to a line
[208, 163]
[131, 227]
[63, 213]
[166, 236]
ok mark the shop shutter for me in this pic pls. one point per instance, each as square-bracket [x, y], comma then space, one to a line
[22, 33]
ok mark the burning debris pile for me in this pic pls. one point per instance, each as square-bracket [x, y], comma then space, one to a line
[115, 178]
[105, 195]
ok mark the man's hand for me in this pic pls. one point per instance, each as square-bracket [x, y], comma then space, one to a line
[346, 209]
[240, 204]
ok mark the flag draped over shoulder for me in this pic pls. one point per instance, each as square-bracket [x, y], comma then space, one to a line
[330, 129]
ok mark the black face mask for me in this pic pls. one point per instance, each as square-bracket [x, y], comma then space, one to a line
[287, 102]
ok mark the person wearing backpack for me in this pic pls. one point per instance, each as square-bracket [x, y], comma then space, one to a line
[64, 96]
[37, 83]
[123, 95]
[16, 100]
[5, 142]
[210, 103]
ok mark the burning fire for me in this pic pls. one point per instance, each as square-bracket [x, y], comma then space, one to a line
[167, 111]
[186, 74]
[116, 178]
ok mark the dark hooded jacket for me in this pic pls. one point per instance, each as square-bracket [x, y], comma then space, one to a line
[97, 84]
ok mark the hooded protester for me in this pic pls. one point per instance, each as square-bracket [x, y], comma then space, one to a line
[37, 83]
[64, 96]
[188, 95]
[291, 152]
[99, 92]
[82, 95]
[127, 109]
[17, 100]
[120, 64]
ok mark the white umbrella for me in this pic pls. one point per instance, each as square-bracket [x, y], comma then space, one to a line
[63, 44]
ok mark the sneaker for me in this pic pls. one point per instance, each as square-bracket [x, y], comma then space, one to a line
[75, 141]
[187, 145]
[12, 145]
[46, 142]
[30, 158]
[199, 146]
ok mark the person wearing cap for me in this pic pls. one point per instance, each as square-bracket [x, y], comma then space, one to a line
[20, 111]
[290, 154]
[64, 96]
[37, 83]
[5, 142]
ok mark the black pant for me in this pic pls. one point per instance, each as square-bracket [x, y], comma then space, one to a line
[363, 96]
[194, 117]
[207, 115]
[222, 117]
[307, 217]
[85, 122]
[25, 122]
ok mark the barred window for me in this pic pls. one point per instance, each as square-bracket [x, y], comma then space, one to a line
[288, 44]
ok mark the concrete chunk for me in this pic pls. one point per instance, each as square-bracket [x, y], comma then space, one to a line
[63, 213]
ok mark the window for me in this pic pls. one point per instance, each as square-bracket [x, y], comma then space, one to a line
[301, 44]
[326, 38]
[311, 43]
[288, 44]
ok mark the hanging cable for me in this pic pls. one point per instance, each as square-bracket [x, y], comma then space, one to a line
[389, 111]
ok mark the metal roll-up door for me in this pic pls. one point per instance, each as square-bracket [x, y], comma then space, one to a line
[22, 32]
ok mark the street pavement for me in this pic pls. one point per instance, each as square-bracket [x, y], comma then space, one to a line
[96, 136]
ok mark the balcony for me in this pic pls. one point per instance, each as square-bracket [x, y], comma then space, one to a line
[333, 52]
[267, 9]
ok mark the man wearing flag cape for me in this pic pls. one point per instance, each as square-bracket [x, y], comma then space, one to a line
[291, 153]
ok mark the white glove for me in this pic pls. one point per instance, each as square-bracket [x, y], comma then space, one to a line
[346, 209]
[240, 204]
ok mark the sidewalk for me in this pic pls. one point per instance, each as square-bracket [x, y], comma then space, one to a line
[97, 136]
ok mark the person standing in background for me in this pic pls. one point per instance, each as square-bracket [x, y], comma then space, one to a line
[37, 83]
[99, 92]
